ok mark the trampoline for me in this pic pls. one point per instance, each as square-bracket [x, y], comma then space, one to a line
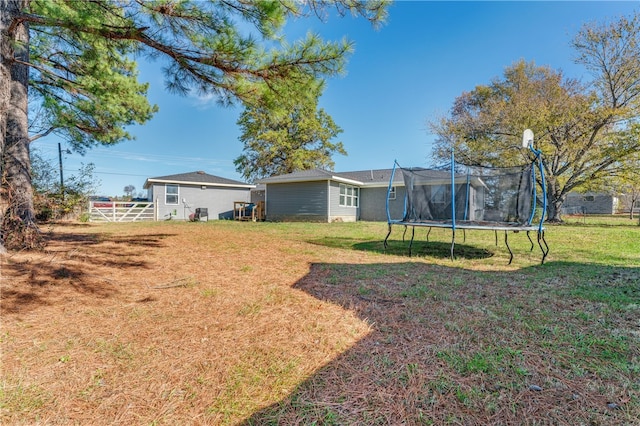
[499, 199]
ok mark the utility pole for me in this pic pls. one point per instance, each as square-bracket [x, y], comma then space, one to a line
[61, 177]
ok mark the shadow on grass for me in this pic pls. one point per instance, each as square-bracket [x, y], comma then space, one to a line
[72, 263]
[66, 224]
[452, 346]
[437, 249]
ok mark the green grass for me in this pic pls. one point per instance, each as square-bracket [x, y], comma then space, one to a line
[568, 327]
[599, 240]
[18, 397]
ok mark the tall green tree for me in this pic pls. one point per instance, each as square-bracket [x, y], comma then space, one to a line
[79, 57]
[585, 131]
[287, 133]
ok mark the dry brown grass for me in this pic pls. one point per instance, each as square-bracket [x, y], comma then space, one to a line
[191, 323]
[168, 324]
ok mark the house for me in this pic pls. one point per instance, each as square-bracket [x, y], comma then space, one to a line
[178, 196]
[324, 196]
[590, 203]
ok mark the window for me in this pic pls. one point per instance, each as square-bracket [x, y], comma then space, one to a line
[171, 194]
[438, 194]
[349, 195]
[392, 193]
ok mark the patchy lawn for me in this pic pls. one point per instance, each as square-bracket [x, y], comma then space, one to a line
[270, 323]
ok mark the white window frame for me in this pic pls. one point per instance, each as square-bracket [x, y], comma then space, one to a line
[438, 194]
[349, 196]
[392, 193]
[167, 194]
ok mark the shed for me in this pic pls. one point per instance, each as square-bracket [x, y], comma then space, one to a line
[590, 203]
[177, 196]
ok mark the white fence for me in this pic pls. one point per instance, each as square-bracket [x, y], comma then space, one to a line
[121, 211]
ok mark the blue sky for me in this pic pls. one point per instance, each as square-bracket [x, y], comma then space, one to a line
[398, 78]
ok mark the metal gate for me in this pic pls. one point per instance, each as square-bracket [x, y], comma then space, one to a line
[121, 211]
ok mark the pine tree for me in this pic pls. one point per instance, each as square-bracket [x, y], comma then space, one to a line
[287, 133]
[74, 59]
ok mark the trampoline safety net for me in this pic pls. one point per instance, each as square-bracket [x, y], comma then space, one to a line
[467, 197]
[471, 195]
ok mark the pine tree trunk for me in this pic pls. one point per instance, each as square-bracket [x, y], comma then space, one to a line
[5, 96]
[17, 213]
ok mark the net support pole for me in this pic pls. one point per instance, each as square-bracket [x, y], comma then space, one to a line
[541, 240]
[453, 202]
[393, 173]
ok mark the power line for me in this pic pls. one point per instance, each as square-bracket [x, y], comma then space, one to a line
[110, 173]
[127, 155]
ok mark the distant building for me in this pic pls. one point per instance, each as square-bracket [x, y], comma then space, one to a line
[590, 203]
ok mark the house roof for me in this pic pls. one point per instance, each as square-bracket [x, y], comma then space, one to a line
[374, 177]
[309, 176]
[197, 178]
[377, 177]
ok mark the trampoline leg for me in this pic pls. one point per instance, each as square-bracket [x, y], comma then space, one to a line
[428, 232]
[496, 232]
[545, 249]
[530, 240]
[506, 242]
[404, 233]
[464, 236]
[453, 241]
[413, 234]
[387, 237]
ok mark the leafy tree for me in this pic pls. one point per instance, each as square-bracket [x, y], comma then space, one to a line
[77, 56]
[45, 177]
[586, 132]
[287, 133]
[49, 202]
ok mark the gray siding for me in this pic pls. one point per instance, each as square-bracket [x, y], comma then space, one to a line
[257, 195]
[340, 213]
[590, 203]
[373, 204]
[307, 201]
[300, 201]
[218, 201]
